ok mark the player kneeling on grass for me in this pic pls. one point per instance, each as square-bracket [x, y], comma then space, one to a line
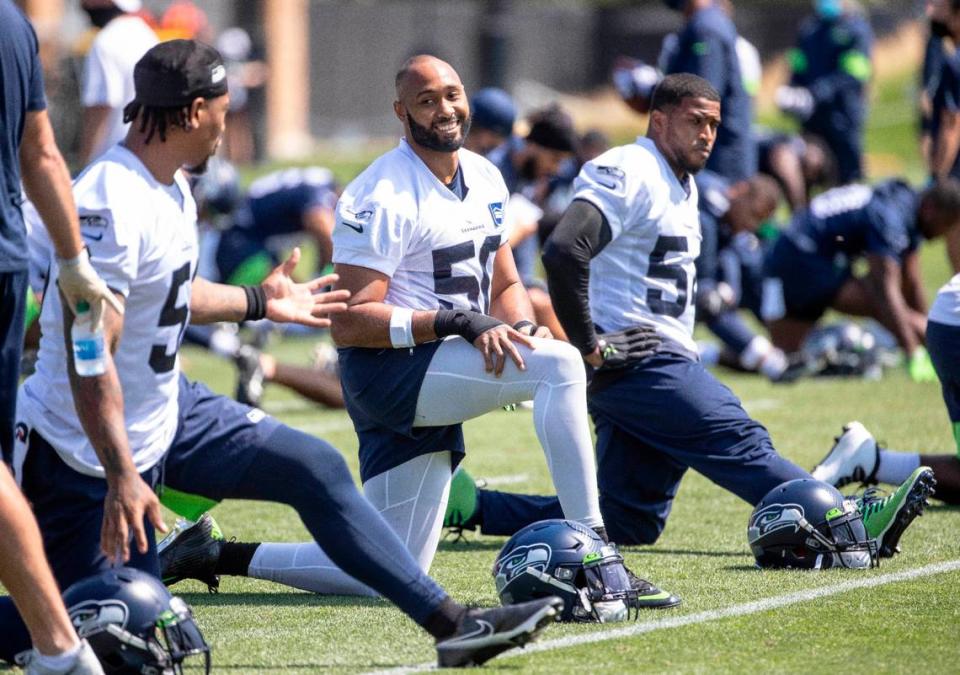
[91, 447]
[622, 257]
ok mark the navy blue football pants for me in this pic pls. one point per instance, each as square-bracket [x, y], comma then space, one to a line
[666, 415]
[222, 450]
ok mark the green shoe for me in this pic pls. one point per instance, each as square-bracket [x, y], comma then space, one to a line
[462, 503]
[886, 518]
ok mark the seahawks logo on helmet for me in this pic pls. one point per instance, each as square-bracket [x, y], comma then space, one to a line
[535, 556]
[92, 616]
[776, 517]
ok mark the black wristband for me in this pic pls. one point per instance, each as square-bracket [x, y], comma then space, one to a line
[463, 322]
[256, 303]
[524, 323]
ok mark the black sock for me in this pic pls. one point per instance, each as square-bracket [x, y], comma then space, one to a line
[602, 533]
[235, 558]
[444, 620]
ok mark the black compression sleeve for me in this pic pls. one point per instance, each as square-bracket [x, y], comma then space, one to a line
[581, 234]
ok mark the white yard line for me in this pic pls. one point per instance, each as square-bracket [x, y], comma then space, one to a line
[743, 609]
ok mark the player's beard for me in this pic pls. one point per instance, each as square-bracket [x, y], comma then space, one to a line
[431, 140]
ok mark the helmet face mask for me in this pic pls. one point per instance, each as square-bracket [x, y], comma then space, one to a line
[566, 559]
[134, 624]
[807, 524]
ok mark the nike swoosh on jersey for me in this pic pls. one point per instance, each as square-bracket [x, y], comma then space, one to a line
[91, 237]
[355, 227]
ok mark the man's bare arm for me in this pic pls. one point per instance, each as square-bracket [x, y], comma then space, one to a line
[366, 323]
[947, 144]
[284, 300]
[912, 284]
[99, 403]
[884, 282]
[46, 181]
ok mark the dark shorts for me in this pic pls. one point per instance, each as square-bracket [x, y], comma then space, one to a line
[380, 390]
[810, 282]
[13, 305]
[216, 440]
[943, 342]
[666, 415]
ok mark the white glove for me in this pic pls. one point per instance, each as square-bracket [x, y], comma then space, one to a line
[79, 281]
[795, 101]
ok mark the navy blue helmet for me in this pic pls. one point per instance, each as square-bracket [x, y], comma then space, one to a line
[568, 560]
[806, 523]
[133, 623]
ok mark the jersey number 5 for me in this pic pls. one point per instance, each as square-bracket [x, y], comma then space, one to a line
[659, 269]
[171, 315]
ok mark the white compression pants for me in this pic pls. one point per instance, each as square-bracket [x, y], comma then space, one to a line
[412, 497]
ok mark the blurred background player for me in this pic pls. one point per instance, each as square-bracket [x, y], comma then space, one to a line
[830, 69]
[942, 80]
[812, 262]
[800, 164]
[492, 116]
[530, 167]
[707, 47]
[242, 239]
[730, 269]
[107, 84]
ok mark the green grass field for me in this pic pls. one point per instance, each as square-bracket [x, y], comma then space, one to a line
[894, 627]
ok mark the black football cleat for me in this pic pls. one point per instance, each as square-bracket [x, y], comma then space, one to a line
[485, 633]
[648, 595]
[191, 551]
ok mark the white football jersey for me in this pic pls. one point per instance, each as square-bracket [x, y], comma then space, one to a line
[143, 242]
[946, 306]
[646, 274]
[397, 218]
[108, 71]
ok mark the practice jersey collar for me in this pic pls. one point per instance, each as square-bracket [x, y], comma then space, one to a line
[458, 190]
[685, 184]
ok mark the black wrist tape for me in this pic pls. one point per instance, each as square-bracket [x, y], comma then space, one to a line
[524, 323]
[463, 322]
[256, 303]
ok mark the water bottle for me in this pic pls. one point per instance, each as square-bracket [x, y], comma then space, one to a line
[88, 358]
